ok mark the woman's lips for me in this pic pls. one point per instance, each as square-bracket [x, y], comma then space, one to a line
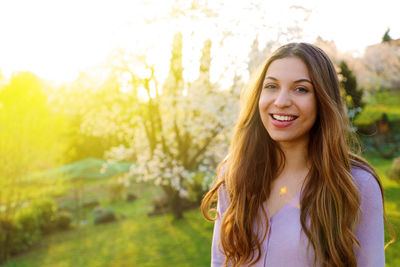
[282, 124]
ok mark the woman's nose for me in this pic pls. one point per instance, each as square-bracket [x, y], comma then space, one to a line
[282, 99]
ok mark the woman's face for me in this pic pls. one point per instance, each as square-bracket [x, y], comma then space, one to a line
[287, 104]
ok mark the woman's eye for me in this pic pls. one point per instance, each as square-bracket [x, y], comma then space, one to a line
[270, 86]
[302, 90]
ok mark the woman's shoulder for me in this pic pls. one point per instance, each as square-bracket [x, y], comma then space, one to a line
[223, 201]
[366, 182]
[223, 195]
[361, 174]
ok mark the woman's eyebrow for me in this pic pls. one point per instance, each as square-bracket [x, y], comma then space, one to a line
[271, 78]
[297, 81]
[303, 80]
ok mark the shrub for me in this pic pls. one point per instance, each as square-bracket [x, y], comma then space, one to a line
[21, 232]
[90, 203]
[19, 240]
[103, 215]
[63, 220]
[29, 232]
[45, 214]
[394, 172]
[116, 190]
[130, 197]
[7, 232]
[14, 239]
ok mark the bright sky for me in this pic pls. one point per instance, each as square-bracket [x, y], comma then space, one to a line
[57, 38]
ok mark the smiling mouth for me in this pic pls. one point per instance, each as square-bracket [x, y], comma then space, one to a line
[283, 117]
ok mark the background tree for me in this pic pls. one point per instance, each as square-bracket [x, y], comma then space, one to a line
[257, 56]
[381, 67]
[95, 108]
[386, 37]
[182, 129]
[353, 94]
[29, 142]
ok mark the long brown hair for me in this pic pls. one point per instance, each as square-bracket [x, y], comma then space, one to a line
[330, 199]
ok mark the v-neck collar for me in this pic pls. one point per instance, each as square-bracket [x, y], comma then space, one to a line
[283, 207]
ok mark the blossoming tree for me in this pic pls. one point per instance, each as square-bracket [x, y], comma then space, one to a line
[176, 133]
[186, 130]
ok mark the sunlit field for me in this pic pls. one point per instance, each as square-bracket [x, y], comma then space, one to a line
[114, 117]
[135, 240]
[138, 240]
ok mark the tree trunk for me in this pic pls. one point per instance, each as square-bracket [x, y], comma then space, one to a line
[5, 228]
[175, 202]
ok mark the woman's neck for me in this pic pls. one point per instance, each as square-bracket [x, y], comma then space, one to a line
[296, 156]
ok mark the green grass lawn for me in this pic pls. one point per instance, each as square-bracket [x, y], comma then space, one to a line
[136, 240]
[379, 103]
[139, 240]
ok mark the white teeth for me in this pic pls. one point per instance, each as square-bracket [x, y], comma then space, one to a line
[283, 118]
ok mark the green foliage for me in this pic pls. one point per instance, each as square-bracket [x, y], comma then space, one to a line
[63, 220]
[353, 94]
[379, 125]
[10, 239]
[28, 225]
[386, 37]
[27, 222]
[95, 109]
[372, 113]
[394, 172]
[82, 146]
[116, 189]
[29, 140]
[102, 215]
[196, 188]
[382, 102]
[45, 214]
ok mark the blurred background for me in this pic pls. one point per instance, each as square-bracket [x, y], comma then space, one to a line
[115, 114]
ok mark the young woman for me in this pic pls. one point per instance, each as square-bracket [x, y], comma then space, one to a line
[290, 192]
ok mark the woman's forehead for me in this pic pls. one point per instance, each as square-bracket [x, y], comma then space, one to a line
[288, 68]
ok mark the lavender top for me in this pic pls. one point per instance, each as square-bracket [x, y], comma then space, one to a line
[286, 244]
